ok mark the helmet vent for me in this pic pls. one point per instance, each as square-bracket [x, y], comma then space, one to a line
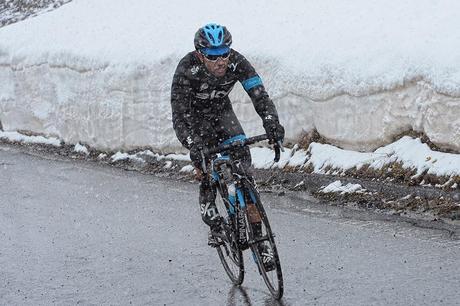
[212, 36]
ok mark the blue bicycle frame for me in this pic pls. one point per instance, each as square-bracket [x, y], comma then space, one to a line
[225, 159]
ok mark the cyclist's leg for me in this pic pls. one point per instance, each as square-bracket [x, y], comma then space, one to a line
[227, 127]
[207, 191]
[208, 209]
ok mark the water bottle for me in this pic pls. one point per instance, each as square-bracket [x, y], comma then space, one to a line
[232, 193]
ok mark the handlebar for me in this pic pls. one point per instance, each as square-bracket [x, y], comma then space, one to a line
[241, 143]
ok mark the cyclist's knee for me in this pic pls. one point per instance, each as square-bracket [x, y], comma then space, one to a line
[209, 213]
[208, 208]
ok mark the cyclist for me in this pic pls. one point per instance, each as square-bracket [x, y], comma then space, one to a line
[202, 113]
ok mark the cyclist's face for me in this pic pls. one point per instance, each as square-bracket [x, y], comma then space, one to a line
[218, 67]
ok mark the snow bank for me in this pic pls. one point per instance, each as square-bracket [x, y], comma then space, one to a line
[81, 149]
[411, 153]
[99, 72]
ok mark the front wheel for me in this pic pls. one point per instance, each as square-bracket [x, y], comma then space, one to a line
[262, 243]
[230, 254]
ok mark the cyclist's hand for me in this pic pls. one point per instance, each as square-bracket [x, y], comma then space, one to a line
[196, 145]
[198, 174]
[274, 131]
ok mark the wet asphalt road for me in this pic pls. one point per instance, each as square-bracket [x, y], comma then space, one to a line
[80, 233]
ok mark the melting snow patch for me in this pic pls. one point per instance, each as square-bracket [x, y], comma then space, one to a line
[81, 149]
[342, 189]
[168, 164]
[188, 168]
[182, 157]
[123, 156]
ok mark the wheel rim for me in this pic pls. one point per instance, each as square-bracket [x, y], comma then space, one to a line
[232, 261]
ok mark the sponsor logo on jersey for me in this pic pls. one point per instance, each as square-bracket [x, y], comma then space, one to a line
[215, 94]
[195, 69]
[232, 66]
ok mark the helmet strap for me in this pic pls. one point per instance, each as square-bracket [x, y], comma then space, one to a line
[199, 55]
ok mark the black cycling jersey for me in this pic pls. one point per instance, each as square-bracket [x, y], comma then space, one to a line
[200, 102]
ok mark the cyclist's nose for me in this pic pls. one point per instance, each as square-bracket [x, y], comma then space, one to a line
[221, 62]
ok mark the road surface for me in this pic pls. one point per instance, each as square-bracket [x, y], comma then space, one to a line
[74, 232]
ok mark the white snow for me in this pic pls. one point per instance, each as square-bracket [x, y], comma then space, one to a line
[99, 72]
[123, 156]
[81, 149]
[188, 168]
[324, 157]
[168, 164]
[17, 137]
[182, 157]
[262, 158]
[412, 153]
[298, 158]
[337, 187]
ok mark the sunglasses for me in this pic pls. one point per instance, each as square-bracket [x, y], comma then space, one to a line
[214, 58]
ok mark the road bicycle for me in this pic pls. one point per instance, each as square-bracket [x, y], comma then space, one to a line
[243, 222]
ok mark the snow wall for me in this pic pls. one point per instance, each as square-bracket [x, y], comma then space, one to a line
[59, 78]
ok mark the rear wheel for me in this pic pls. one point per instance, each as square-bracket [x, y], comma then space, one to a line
[228, 250]
[263, 245]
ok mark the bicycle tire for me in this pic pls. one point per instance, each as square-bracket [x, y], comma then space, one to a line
[230, 254]
[273, 279]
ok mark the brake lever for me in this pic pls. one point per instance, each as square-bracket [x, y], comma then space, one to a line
[280, 144]
[278, 149]
[277, 153]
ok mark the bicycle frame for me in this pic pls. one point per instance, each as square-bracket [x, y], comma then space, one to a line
[240, 197]
[236, 176]
[237, 173]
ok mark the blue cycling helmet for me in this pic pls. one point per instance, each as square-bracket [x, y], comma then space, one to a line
[213, 39]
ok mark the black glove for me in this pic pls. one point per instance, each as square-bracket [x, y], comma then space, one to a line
[274, 131]
[196, 145]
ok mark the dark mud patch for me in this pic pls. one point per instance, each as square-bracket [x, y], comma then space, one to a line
[12, 11]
